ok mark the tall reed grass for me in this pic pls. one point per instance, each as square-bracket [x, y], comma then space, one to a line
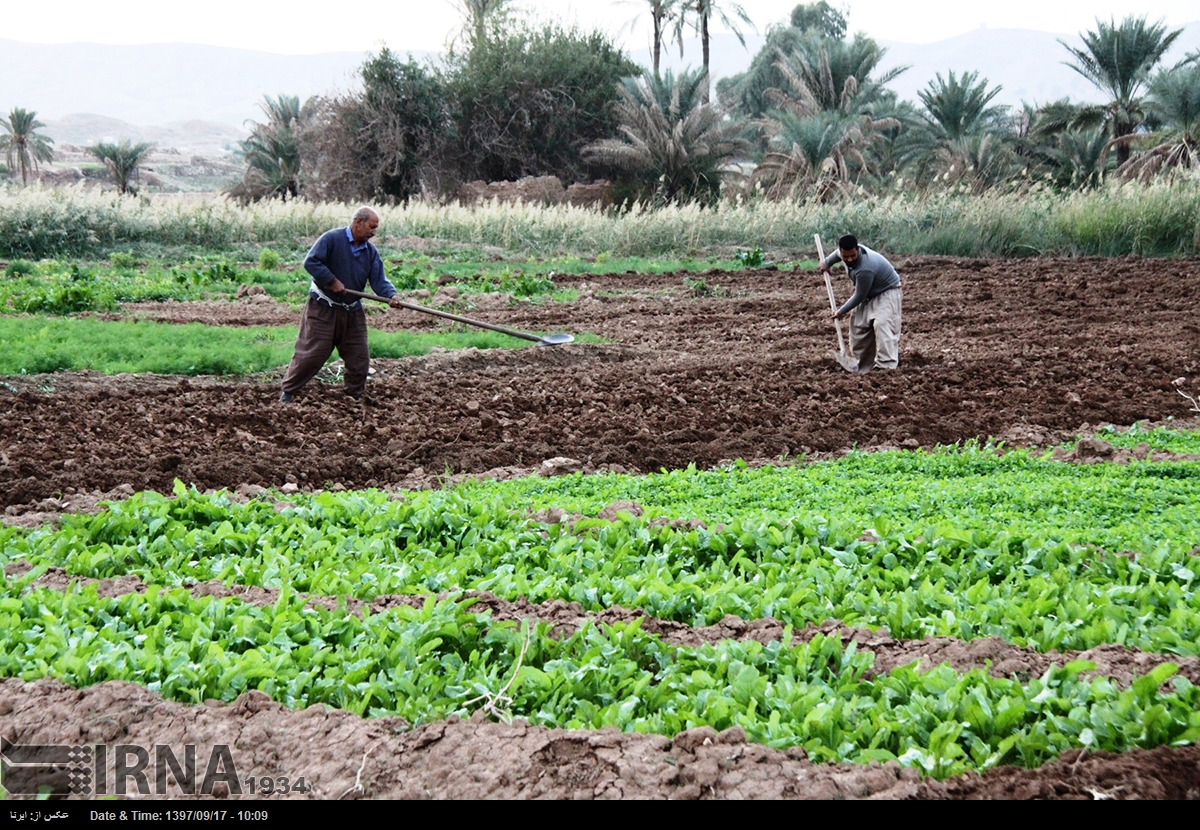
[1156, 220]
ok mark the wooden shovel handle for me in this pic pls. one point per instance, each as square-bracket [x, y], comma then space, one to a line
[832, 301]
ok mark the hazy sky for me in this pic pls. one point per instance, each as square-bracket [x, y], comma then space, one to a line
[309, 26]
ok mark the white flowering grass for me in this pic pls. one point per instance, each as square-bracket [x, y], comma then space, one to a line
[1156, 220]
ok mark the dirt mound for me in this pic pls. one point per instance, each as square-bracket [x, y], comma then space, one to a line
[537, 190]
[1097, 451]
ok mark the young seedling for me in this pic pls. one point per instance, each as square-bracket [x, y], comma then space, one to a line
[492, 702]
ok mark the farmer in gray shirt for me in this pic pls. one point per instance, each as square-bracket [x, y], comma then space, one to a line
[875, 307]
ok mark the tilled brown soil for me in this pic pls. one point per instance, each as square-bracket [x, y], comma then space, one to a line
[1024, 351]
[1030, 352]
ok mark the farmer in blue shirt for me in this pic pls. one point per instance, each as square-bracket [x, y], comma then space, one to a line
[342, 258]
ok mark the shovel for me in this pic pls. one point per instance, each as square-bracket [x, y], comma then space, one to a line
[548, 340]
[844, 360]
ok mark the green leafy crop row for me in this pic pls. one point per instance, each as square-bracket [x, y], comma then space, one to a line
[51, 287]
[962, 543]
[425, 664]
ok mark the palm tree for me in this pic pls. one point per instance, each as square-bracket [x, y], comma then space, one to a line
[1081, 157]
[818, 151]
[1068, 142]
[958, 108]
[976, 162]
[478, 14]
[698, 13]
[838, 72]
[273, 151]
[673, 143]
[1174, 99]
[23, 145]
[122, 160]
[662, 13]
[902, 146]
[1118, 59]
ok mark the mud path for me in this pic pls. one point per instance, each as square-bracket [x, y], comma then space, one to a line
[1025, 351]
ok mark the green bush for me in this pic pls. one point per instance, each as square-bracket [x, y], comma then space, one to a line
[529, 98]
[122, 260]
[268, 260]
[19, 268]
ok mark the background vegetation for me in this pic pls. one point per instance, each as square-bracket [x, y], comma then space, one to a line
[809, 139]
[1160, 219]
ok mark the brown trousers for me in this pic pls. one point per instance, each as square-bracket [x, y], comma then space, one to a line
[875, 332]
[323, 329]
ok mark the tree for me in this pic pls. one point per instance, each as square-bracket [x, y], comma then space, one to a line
[837, 73]
[819, 17]
[978, 161]
[24, 147]
[480, 14]
[382, 143]
[698, 13]
[811, 26]
[958, 108]
[1081, 158]
[745, 94]
[123, 161]
[674, 146]
[900, 144]
[1118, 59]
[273, 151]
[818, 151]
[527, 100]
[1174, 99]
[1069, 141]
[662, 13]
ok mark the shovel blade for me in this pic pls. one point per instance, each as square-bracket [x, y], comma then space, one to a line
[555, 339]
[845, 361]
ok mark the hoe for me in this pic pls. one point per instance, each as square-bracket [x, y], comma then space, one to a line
[548, 340]
[844, 360]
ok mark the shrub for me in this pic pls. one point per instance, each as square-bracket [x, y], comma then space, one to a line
[528, 99]
[19, 268]
[122, 260]
[268, 260]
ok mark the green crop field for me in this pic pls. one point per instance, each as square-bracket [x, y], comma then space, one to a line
[967, 542]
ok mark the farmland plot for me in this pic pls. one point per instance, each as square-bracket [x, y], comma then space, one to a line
[780, 651]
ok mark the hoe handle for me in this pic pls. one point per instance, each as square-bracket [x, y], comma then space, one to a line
[456, 318]
[832, 301]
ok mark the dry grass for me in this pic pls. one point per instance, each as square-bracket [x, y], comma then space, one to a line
[1156, 220]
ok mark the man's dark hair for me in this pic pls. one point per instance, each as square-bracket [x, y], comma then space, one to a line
[848, 242]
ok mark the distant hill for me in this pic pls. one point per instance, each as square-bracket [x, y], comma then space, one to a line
[163, 82]
[198, 98]
[205, 138]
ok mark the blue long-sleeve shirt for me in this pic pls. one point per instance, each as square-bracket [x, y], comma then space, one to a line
[335, 255]
[872, 275]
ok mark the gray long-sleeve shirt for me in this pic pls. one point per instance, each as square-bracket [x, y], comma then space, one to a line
[872, 274]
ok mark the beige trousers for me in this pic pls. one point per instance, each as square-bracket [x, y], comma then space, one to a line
[875, 332]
